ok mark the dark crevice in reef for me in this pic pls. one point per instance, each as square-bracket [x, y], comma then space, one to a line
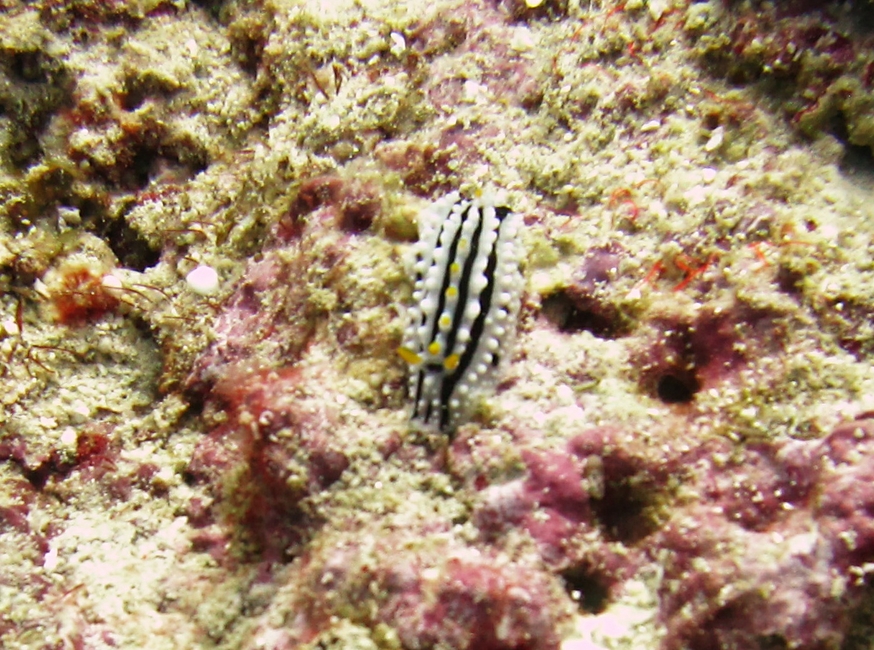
[138, 86]
[861, 629]
[213, 8]
[572, 315]
[669, 366]
[624, 512]
[857, 164]
[586, 588]
[33, 86]
[677, 387]
[129, 246]
[589, 303]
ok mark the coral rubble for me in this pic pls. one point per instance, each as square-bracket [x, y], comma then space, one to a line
[204, 433]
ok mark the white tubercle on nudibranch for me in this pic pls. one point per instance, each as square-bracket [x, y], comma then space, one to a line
[465, 302]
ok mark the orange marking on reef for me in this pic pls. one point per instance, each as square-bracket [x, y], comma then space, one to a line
[622, 193]
[654, 272]
[623, 196]
[691, 267]
[757, 250]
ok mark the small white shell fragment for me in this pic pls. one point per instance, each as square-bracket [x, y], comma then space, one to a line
[50, 560]
[398, 43]
[829, 231]
[110, 281]
[79, 413]
[521, 40]
[472, 91]
[657, 8]
[716, 139]
[9, 327]
[203, 280]
[40, 287]
[69, 216]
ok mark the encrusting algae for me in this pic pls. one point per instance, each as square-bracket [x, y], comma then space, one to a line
[205, 436]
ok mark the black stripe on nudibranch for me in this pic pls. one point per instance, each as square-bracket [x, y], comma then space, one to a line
[465, 302]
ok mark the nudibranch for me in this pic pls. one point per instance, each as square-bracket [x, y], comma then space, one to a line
[465, 303]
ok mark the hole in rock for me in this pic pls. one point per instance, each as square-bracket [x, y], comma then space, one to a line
[213, 8]
[586, 589]
[28, 66]
[731, 624]
[568, 315]
[677, 388]
[138, 86]
[24, 150]
[174, 163]
[790, 281]
[624, 511]
[861, 621]
[772, 642]
[38, 477]
[857, 164]
[129, 246]
[248, 51]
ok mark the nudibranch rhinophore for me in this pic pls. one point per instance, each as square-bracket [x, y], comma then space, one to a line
[465, 303]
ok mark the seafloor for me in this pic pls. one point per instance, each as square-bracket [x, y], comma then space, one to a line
[679, 452]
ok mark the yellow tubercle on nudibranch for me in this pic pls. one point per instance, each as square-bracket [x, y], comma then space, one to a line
[409, 356]
[451, 362]
[467, 294]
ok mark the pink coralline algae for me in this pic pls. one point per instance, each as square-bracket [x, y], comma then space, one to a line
[93, 457]
[586, 507]
[480, 30]
[351, 206]
[270, 319]
[776, 547]
[278, 324]
[428, 168]
[766, 543]
[686, 355]
[273, 451]
[275, 419]
[430, 593]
